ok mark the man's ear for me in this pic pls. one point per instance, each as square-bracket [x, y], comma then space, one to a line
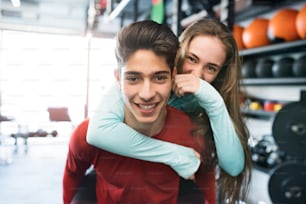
[117, 77]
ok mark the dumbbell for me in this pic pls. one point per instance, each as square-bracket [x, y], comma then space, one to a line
[248, 69]
[298, 67]
[266, 153]
[283, 67]
[43, 133]
[287, 183]
[264, 68]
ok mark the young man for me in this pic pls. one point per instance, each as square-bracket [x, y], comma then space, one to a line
[145, 54]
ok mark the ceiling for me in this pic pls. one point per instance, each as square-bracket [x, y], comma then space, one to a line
[51, 16]
[75, 17]
[79, 17]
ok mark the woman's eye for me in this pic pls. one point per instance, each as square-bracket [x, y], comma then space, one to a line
[191, 59]
[211, 68]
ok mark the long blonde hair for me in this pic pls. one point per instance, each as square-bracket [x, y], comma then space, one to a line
[231, 188]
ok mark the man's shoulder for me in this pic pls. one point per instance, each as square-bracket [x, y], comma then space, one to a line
[177, 114]
[78, 136]
[176, 111]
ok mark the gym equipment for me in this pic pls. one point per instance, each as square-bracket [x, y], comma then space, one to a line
[237, 32]
[266, 153]
[287, 183]
[269, 106]
[264, 68]
[298, 67]
[301, 22]
[43, 133]
[278, 106]
[255, 34]
[255, 105]
[283, 67]
[38, 133]
[248, 69]
[289, 128]
[282, 26]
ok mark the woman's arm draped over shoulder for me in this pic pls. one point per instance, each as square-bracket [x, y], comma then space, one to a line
[229, 149]
[107, 131]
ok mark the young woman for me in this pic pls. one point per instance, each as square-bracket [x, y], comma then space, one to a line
[208, 67]
[208, 51]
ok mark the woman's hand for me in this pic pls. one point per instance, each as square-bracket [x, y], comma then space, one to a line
[199, 156]
[185, 83]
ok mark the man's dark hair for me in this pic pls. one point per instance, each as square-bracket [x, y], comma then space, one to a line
[147, 35]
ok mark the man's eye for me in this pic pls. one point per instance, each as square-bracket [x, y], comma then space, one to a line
[160, 78]
[131, 78]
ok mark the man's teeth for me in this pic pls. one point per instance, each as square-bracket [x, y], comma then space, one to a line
[147, 107]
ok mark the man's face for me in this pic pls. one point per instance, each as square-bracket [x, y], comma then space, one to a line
[145, 83]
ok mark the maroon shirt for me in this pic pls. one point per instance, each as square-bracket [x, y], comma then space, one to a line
[127, 180]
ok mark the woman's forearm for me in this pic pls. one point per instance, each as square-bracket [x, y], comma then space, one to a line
[229, 149]
[107, 131]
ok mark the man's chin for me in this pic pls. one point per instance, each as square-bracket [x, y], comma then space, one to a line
[147, 121]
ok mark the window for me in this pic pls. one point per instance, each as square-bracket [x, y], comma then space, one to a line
[38, 71]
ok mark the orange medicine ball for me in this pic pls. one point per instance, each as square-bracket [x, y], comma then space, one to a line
[282, 26]
[237, 32]
[256, 33]
[301, 22]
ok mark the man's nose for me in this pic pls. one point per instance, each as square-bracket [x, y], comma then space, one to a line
[146, 91]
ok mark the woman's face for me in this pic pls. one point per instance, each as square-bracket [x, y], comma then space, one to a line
[205, 57]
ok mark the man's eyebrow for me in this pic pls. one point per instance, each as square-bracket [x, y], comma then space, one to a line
[132, 73]
[162, 72]
[138, 73]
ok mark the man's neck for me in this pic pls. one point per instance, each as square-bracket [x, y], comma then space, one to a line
[148, 129]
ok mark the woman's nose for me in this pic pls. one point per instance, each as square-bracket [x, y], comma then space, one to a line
[196, 71]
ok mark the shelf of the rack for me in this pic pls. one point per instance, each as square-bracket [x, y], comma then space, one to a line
[274, 81]
[258, 114]
[279, 48]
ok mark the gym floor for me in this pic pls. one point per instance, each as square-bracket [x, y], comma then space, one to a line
[32, 174]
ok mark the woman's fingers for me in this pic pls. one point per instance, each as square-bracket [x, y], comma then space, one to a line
[185, 83]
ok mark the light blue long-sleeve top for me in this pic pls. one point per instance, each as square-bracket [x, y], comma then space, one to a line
[107, 131]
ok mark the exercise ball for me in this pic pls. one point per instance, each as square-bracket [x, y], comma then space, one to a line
[248, 69]
[264, 68]
[299, 66]
[301, 22]
[237, 32]
[255, 34]
[282, 67]
[282, 26]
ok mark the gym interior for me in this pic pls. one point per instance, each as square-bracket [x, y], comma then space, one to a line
[55, 65]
